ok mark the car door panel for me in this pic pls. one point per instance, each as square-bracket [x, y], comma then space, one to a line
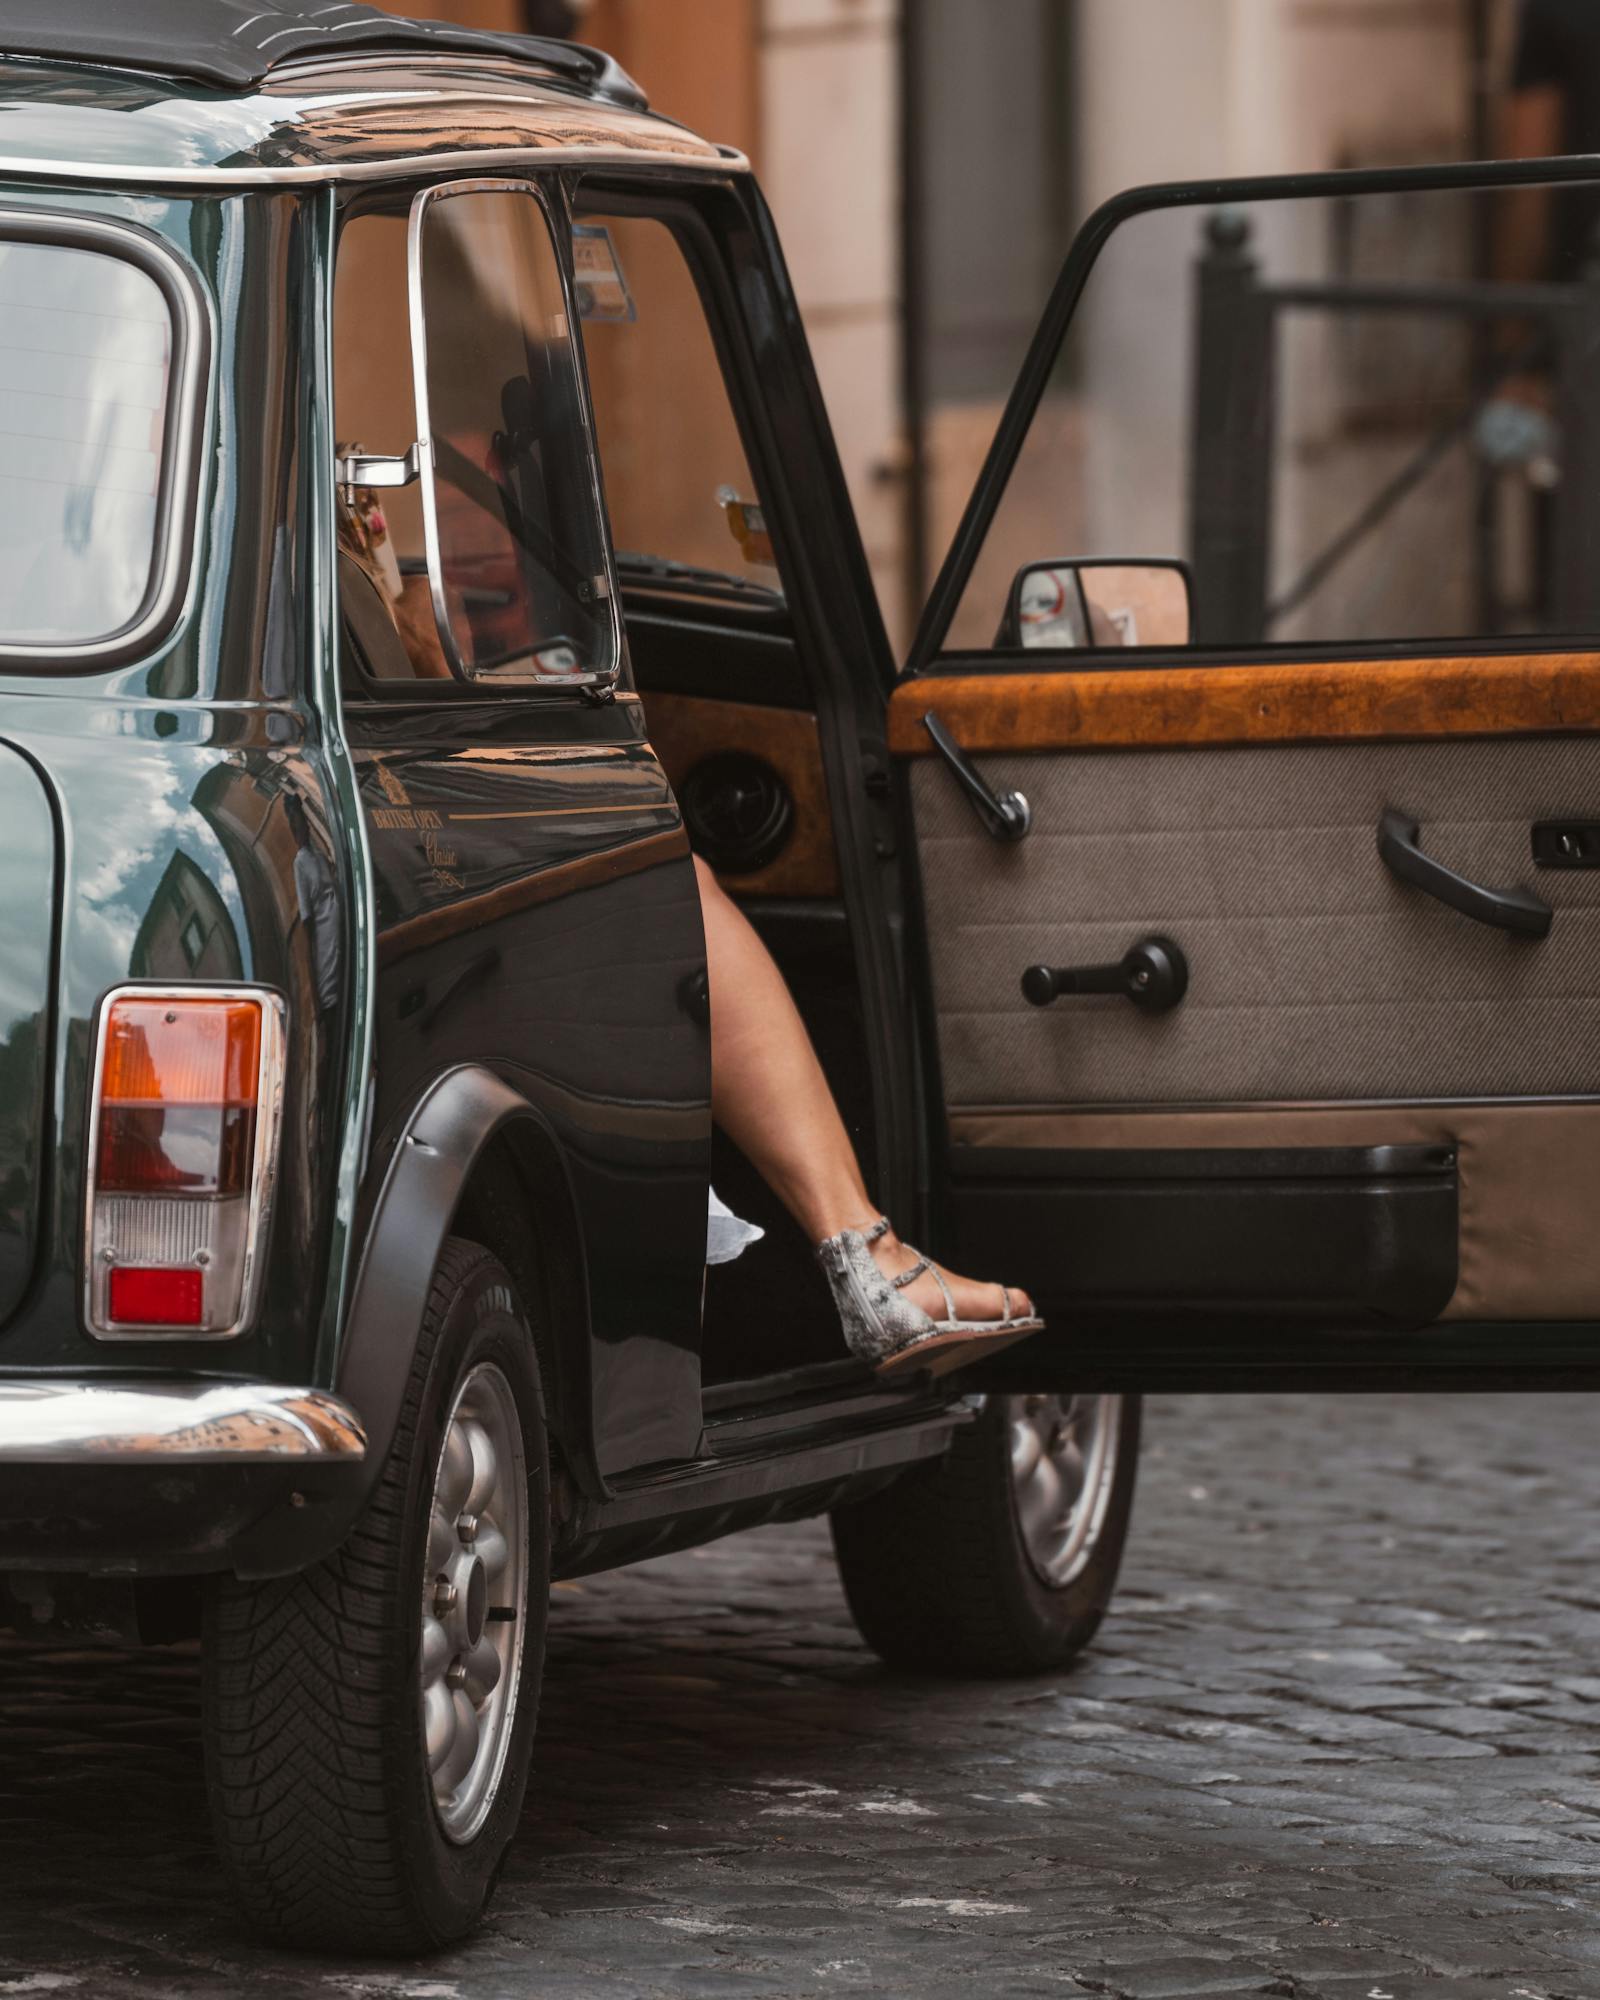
[537, 912]
[1329, 1006]
[1314, 973]
[1266, 741]
[536, 905]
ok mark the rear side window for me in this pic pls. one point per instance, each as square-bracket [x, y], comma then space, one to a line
[86, 362]
[491, 567]
[510, 494]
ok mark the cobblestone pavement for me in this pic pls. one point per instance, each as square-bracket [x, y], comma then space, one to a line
[1337, 1739]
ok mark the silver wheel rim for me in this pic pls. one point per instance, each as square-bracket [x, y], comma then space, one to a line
[1063, 1469]
[474, 1601]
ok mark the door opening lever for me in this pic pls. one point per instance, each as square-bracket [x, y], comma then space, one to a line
[1005, 815]
[1505, 909]
[1153, 974]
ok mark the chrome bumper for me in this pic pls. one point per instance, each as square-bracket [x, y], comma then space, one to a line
[45, 1422]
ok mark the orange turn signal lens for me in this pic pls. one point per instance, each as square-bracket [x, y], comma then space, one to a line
[182, 1052]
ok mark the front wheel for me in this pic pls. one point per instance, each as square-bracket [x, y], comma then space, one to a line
[1001, 1557]
[369, 1722]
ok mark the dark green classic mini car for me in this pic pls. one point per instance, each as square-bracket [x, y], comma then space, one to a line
[420, 535]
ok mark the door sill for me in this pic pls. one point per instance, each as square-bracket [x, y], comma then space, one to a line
[827, 1396]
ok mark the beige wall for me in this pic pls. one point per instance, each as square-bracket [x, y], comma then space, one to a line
[1178, 89]
[829, 163]
[695, 59]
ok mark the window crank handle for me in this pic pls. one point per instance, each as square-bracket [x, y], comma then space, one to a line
[1005, 815]
[1153, 974]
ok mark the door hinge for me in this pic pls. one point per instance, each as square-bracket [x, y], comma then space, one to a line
[878, 782]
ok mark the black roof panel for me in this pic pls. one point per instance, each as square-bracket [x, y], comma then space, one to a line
[235, 44]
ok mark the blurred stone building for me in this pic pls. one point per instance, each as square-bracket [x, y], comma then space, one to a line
[928, 161]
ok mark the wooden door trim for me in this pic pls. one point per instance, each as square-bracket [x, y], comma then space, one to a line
[685, 728]
[1321, 701]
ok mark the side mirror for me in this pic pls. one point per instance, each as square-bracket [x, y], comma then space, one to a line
[1097, 603]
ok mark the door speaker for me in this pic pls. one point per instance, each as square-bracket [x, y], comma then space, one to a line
[738, 811]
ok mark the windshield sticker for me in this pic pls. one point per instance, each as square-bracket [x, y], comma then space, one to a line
[601, 288]
[748, 526]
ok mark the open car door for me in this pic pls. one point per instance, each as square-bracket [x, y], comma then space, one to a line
[1251, 743]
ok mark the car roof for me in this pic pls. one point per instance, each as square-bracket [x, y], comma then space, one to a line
[141, 94]
[236, 43]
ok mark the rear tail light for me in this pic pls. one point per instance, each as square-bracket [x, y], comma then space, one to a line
[188, 1094]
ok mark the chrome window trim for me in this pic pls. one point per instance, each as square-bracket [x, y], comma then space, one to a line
[172, 552]
[608, 676]
[264, 1166]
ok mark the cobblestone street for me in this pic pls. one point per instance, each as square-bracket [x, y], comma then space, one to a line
[1337, 1738]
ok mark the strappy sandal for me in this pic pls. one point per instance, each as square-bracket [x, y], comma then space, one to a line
[891, 1334]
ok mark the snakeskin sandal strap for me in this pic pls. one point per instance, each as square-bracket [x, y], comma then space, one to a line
[927, 1264]
[878, 1321]
[890, 1332]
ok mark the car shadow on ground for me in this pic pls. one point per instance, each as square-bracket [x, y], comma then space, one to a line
[660, 1709]
[636, 1727]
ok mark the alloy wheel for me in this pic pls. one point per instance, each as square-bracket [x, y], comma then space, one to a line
[474, 1601]
[1063, 1468]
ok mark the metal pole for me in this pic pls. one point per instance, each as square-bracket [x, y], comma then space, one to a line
[1481, 145]
[1230, 470]
[1575, 557]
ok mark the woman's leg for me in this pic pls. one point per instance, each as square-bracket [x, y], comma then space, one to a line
[768, 1093]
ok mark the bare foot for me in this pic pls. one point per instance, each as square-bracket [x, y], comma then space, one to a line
[973, 1300]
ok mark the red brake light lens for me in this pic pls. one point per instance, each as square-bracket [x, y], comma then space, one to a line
[156, 1297]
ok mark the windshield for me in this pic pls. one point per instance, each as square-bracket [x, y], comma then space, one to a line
[86, 345]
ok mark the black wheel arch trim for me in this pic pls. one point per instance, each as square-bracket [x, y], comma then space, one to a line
[451, 1133]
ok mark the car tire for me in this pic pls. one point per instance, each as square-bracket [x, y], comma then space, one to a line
[1001, 1557]
[331, 1696]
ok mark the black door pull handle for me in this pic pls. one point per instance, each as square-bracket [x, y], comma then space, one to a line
[1153, 974]
[1005, 815]
[1518, 910]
